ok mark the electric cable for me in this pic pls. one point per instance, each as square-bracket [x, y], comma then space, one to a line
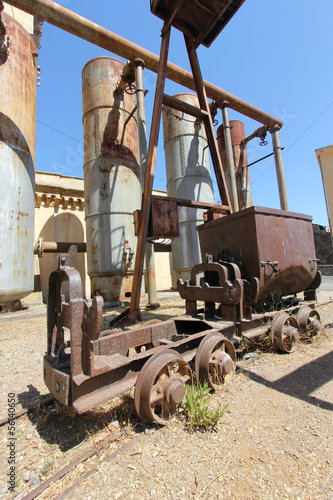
[292, 144]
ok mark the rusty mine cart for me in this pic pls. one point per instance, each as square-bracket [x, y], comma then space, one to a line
[249, 258]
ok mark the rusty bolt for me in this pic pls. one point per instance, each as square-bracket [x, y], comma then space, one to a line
[175, 391]
[225, 364]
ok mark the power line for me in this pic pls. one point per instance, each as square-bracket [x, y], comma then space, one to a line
[58, 131]
[292, 144]
[76, 140]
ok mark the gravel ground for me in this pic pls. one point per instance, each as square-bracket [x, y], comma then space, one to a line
[276, 442]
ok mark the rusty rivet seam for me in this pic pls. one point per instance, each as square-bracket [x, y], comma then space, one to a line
[100, 214]
[130, 165]
[97, 131]
[182, 155]
[111, 106]
[102, 236]
[199, 136]
[191, 220]
[182, 118]
[129, 272]
[101, 57]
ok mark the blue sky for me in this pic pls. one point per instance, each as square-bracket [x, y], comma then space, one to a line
[274, 54]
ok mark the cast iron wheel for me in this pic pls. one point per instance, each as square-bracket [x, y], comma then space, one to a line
[309, 322]
[215, 360]
[160, 386]
[284, 333]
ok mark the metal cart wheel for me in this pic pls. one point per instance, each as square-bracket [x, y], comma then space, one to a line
[309, 322]
[160, 386]
[215, 360]
[284, 333]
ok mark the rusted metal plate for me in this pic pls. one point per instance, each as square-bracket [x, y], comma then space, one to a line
[275, 246]
[163, 221]
[203, 20]
[57, 381]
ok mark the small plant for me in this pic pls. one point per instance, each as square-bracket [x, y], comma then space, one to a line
[47, 466]
[196, 404]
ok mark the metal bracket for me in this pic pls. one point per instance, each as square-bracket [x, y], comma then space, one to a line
[273, 265]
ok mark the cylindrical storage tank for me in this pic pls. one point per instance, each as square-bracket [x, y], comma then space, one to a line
[240, 161]
[111, 178]
[188, 177]
[18, 75]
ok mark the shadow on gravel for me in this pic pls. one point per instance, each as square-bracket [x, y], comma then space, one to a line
[302, 382]
[60, 425]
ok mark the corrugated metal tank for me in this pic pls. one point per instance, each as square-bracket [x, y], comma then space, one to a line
[111, 178]
[240, 159]
[18, 85]
[188, 177]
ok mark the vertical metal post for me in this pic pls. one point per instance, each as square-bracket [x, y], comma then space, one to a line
[134, 310]
[230, 157]
[142, 131]
[279, 168]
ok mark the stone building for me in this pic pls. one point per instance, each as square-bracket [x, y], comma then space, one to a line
[60, 217]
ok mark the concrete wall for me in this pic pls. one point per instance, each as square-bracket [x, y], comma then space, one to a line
[325, 160]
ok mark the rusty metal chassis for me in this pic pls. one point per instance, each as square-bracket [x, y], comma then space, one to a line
[102, 365]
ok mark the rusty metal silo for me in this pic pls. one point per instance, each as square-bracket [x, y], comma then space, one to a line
[240, 159]
[188, 177]
[18, 75]
[111, 178]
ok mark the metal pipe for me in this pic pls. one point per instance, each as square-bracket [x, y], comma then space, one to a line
[41, 247]
[81, 27]
[142, 132]
[279, 168]
[263, 158]
[230, 157]
[257, 133]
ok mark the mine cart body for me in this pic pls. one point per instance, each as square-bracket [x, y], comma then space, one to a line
[275, 246]
[203, 20]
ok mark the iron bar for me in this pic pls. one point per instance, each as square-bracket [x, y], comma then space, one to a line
[230, 157]
[194, 204]
[63, 18]
[134, 310]
[202, 96]
[175, 103]
[263, 158]
[142, 132]
[279, 169]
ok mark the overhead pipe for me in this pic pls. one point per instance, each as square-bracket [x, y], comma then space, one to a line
[41, 247]
[260, 132]
[69, 21]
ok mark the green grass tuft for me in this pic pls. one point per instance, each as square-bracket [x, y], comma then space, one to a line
[196, 404]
